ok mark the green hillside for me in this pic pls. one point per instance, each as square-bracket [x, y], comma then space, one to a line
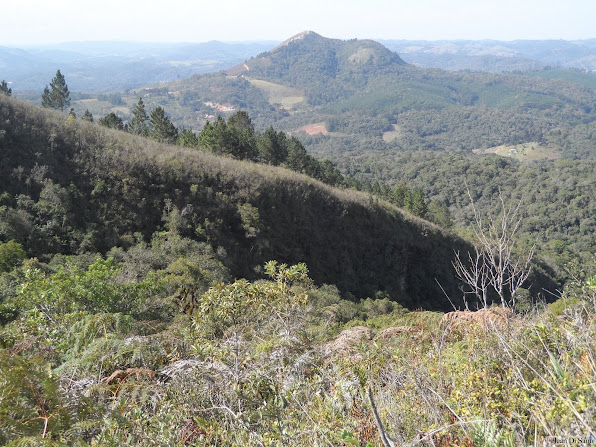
[69, 187]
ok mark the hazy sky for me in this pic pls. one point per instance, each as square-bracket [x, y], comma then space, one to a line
[44, 21]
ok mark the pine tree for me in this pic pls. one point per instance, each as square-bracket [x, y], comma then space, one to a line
[243, 132]
[87, 116]
[46, 98]
[187, 138]
[399, 195]
[138, 124]
[4, 88]
[298, 159]
[112, 121]
[162, 128]
[272, 147]
[416, 203]
[57, 95]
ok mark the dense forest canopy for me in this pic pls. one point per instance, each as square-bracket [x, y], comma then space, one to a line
[558, 196]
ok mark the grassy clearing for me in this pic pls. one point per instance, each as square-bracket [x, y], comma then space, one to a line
[288, 97]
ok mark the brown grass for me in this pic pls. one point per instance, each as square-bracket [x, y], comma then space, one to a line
[487, 319]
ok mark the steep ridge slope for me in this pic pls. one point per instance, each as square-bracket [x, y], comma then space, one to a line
[73, 187]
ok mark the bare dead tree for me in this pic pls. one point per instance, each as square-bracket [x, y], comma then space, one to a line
[495, 265]
[474, 276]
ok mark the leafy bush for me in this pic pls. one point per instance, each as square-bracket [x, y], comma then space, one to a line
[71, 289]
[11, 255]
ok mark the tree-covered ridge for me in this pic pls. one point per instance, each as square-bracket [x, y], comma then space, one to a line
[73, 187]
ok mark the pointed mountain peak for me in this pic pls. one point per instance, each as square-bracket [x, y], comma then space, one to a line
[296, 37]
[321, 54]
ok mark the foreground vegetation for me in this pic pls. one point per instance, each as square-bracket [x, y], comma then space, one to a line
[96, 357]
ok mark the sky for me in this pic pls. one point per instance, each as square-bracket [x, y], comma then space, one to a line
[34, 22]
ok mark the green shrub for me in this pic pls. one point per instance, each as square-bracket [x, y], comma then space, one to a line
[11, 255]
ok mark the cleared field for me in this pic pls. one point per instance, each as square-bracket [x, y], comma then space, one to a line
[288, 97]
[523, 152]
[313, 129]
[391, 135]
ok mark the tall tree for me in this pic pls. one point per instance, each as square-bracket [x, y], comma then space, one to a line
[46, 98]
[187, 138]
[272, 147]
[241, 127]
[298, 159]
[415, 203]
[399, 195]
[57, 95]
[215, 137]
[4, 88]
[162, 128]
[138, 124]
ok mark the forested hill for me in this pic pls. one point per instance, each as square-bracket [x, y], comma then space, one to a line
[71, 187]
[326, 69]
[357, 94]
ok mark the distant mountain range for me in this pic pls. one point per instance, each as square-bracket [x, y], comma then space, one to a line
[99, 67]
[497, 56]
